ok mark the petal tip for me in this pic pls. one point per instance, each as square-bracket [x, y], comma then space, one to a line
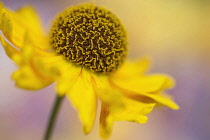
[104, 133]
[175, 107]
[86, 130]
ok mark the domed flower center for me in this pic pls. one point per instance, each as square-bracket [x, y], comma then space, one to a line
[90, 36]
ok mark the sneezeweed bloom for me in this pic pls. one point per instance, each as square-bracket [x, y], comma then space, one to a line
[84, 54]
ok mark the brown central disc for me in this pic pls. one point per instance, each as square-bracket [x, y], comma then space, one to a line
[90, 36]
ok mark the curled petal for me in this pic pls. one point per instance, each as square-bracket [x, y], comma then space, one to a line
[23, 41]
[26, 77]
[9, 49]
[29, 75]
[117, 107]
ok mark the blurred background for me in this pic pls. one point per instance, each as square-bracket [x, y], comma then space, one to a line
[174, 33]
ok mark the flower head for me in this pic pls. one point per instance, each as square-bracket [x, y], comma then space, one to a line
[90, 36]
[85, 55]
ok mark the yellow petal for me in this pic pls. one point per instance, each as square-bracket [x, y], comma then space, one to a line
[28, 79]
[30, 74]
[9, 49]
[15, 25]
[33, 72]
[117, 107]
[106, 122]
[38, 67]
[130, 69]
[163, 99]
[83, 98]
[134, 111]
[32, 19]
[149, 84]
[143, 87]
[30, 16]
[68, 74]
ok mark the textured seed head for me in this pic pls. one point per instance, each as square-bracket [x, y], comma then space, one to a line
[90, 36]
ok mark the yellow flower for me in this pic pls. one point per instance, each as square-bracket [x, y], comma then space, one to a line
[85, 55]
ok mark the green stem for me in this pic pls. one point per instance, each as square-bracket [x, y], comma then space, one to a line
[53, 116]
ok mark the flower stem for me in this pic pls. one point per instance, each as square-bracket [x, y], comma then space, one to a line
[53, 116]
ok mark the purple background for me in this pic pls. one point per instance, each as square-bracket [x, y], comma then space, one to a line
[175, 34]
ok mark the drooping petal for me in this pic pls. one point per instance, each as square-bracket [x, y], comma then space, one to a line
[132, 111]
[141, 87]
[164, 99]
[118, 107]
[82, 96]
[147, 87]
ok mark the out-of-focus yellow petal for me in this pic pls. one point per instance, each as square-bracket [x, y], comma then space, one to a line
[161, 98]
[30, 74]
[15, 25]
[143, 87]
[117, 107]
[31, 18]
[9, 49]
[130, 69]
[83, 98]
[106, 122]
[27, 78]
[33, 62]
